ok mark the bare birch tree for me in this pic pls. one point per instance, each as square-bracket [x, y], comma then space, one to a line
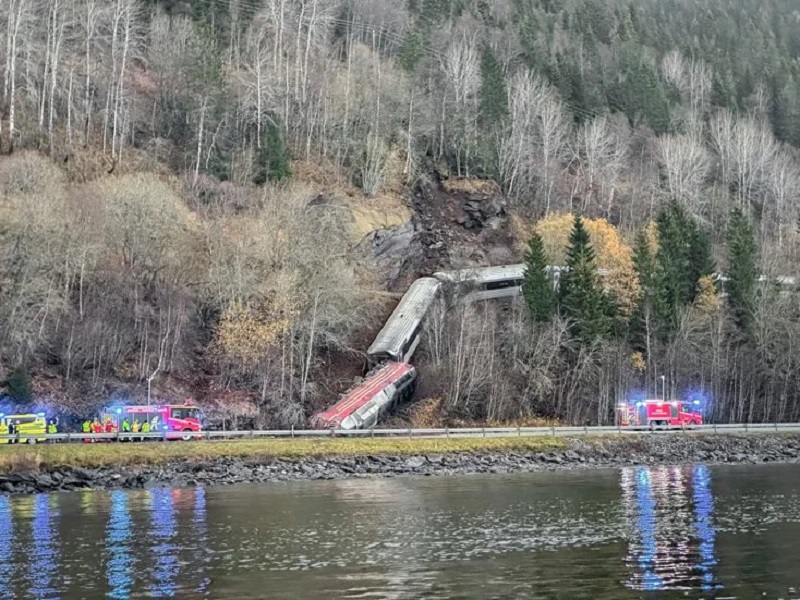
[599, 157]
[527, 95]
[18, 14]
[744, 147]
[461, 66]
[685, 163]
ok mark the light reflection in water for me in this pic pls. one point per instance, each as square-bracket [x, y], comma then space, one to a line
[670, 510]
[162, 532]
[44, 555]
[200, 526]
[6, 549]
[119, 570]
[703, 525]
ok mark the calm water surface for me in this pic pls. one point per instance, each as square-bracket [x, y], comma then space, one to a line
[696, 532]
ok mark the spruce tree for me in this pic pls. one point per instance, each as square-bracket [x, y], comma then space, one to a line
[537, 289]
[674, 266]
[412, 50]
[742, 275]
[493, 97]
[701, 262]
[646, 265]
[272, 159]
[583, 301]
[684, 256]
[18, 385]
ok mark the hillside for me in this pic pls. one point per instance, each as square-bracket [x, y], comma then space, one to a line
[223, 198]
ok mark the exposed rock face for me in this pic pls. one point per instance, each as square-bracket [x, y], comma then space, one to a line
[483, 210]
[579, 453]
[451, 225]
[397, 250]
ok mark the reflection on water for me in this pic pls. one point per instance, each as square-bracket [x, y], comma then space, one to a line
[672, 540]
[44, 554]
[6, 548]
[163, 533]
[200, 533]
[703, 526]
[119, 569]
[657, 533]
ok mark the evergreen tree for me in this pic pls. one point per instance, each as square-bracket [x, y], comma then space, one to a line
[701, 262]
[412, 50]
[537, 289]
[18, 385]
[583, 301]
[742, 275]
[494, 97]
[272, 158]
[684, 256]
[647, 270]
[673, 266]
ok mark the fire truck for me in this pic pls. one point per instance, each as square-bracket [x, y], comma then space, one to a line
[186, 418]
[659, 413]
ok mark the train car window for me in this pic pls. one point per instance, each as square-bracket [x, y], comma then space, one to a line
[500, 285]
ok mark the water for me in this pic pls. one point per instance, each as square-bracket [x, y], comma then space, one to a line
[678, 532]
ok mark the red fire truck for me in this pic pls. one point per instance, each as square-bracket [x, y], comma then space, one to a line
[658, 413]
[185, 418]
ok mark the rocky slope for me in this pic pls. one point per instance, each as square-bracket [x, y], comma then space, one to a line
[454, 224]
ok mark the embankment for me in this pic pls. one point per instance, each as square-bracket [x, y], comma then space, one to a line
[136, 466]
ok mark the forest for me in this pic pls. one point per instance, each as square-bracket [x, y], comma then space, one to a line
[167, 166]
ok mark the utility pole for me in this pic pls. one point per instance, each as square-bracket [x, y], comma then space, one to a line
[664, 387]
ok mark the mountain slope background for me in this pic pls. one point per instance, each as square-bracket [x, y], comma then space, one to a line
[222, 197]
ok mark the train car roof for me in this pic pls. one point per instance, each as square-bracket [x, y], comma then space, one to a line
[483, 274]
[359, 396]
[412, 308]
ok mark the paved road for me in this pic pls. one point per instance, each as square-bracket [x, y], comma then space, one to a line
[478, 432]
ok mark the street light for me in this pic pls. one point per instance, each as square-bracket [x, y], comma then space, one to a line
[664, 386]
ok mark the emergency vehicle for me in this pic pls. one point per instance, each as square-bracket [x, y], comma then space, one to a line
[659, 413]
[186, 418]
[31, 428]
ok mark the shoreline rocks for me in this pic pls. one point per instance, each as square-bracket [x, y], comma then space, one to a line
[577, 453]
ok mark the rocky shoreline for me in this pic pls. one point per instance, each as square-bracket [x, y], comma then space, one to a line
[577, 453]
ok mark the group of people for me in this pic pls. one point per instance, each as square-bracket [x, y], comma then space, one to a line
[109, 425]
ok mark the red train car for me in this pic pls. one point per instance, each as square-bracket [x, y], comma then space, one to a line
[362, 406]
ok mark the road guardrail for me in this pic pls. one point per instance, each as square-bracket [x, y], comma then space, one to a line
[463, 432]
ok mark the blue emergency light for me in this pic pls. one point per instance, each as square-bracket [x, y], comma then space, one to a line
[119, 411]
[39, 414]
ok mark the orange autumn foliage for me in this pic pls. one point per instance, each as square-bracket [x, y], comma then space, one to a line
[613, 254]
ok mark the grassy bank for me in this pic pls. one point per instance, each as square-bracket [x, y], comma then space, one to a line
[26, 458]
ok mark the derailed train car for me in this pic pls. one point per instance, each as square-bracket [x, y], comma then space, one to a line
[401, 333]
[363, 406]
[393, 379]
[484, 283]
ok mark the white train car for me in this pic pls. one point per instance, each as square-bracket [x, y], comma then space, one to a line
[485, 283]
[400, 335]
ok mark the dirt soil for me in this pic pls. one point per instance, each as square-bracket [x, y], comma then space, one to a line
[459, 224]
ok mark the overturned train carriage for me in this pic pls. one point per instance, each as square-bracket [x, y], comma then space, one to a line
[401, 334]
[363, 406]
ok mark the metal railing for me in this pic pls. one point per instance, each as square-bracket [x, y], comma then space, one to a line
[464, 432]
